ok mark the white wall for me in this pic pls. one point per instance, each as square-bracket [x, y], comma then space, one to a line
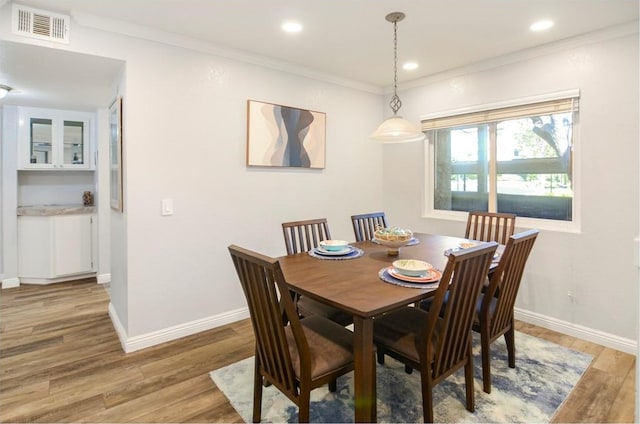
[53, 187]
[9, 274]
[596, 264]
[185, 140]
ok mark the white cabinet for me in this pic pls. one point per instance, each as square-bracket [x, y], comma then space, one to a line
[52, 247]
[55, 139]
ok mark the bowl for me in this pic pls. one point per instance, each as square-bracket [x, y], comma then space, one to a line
[334, 245]
[395, 235]
[411, 267]
[393, 238]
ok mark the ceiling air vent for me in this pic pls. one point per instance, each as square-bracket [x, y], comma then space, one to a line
[40, 24]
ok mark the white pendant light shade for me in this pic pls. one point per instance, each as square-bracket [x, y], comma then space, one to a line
[4, 90]
[397, 130]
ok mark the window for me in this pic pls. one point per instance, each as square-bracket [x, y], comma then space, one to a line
[516, 159]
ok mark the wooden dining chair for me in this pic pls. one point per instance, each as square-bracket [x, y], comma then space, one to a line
[438, 345]
[490, 226]
[495, 305]
[294, 355]
[302, 236]
[365, 225]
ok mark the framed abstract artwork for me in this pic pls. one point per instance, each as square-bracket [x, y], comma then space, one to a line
[284, 136]
[115, 154]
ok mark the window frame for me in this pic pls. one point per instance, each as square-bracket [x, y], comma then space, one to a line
[573, 226]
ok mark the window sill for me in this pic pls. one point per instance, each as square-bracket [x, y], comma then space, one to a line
[522, 223]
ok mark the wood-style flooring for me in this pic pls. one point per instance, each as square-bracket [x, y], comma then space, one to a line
[61, 361]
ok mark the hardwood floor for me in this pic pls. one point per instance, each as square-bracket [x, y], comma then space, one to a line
[61, 361]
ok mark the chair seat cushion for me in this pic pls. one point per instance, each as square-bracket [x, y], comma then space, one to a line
[399, 329]
[492, 309]
[426, 305]
[330, 345]
[308, 307]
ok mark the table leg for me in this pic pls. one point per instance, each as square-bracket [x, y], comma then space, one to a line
[365, 371]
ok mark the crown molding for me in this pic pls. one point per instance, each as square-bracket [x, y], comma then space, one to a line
[610, 33]
[150, 34]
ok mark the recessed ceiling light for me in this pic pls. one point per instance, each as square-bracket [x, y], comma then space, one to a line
[291, 26]
[410, 66]
[541, 25]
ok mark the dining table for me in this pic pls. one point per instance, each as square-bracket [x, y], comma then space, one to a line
[355, 284]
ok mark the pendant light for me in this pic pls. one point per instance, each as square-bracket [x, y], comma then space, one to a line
[396, 129]
[4, 90]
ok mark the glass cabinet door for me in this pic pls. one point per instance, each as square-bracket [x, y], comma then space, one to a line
[53, 139]
[40, 144]
[73, 141]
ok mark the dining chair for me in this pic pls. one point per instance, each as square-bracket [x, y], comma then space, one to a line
[294, 355]
[490, 226]
[438, 345]
[302, 236]
[495, 305]
[365, 225]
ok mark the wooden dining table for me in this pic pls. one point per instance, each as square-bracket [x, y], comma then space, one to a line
[353, 285]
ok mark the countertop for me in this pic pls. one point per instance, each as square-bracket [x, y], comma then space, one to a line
[51, 210]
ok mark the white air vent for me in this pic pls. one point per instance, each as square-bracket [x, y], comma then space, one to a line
[40, 24]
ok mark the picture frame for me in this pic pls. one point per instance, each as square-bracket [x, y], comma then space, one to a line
[115, 154]
[284, 136]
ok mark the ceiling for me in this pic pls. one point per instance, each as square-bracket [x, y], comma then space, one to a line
[344, 39]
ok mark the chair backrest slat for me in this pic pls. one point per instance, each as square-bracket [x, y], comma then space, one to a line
[461, 283]
[506, 280]
[365, 225]
[302, 236]
[490, 226]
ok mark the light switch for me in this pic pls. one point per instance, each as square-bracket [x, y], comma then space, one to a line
[167, 207]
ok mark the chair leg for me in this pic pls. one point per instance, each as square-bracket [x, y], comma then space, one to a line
[408, 369]
[303, 406]
[333, 385]
[509, 338]
[257, 394]
[380, 355]
[486, 362]
[427, 395]
[468, 377]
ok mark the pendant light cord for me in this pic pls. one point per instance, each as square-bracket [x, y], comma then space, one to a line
[395, 102]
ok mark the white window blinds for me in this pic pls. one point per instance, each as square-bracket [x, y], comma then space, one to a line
[568, 104]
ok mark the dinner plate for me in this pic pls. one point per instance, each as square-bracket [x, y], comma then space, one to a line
[321, 251]
[431, 276]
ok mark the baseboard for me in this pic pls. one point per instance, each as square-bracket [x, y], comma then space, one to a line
[10, 283]
[103, 278]
[117, 325]
[47, 281]
[605, 339]
[132, 344]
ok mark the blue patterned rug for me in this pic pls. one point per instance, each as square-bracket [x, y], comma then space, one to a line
[544, 376]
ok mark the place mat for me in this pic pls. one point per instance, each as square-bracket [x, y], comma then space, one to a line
[388, 278]
[355, 253]
[412, 242]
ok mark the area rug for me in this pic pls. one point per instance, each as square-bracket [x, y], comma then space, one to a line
[544, 376]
